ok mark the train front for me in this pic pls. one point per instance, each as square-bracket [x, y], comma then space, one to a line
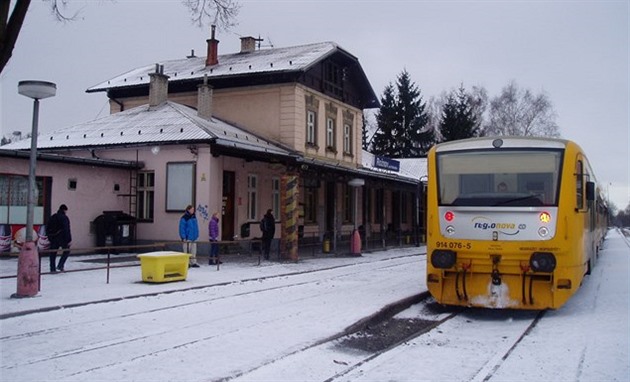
[492, 224]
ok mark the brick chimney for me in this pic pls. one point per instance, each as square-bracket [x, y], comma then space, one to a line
[204, 99]
[158, 86]
[248, 44]
[213, 49]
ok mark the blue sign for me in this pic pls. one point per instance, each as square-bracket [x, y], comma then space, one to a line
[386, 163]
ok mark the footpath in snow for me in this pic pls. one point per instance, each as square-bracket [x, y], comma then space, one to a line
[74, 288]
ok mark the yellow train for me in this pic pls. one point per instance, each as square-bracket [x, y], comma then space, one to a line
[512, 222]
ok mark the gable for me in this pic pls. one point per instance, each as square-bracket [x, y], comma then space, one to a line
[304, 64]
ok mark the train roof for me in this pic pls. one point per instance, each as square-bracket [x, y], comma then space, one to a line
[502, 142]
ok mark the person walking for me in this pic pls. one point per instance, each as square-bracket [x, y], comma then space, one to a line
[213, 234]
[60, 236]
[189, 233]
[268, 228]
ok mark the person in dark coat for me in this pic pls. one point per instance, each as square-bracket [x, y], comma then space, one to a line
[268, 228]
[59, 235]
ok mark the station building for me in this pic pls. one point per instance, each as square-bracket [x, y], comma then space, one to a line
[237, 134]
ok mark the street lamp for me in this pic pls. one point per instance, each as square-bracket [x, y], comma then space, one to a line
[355, 243]
[28, 262]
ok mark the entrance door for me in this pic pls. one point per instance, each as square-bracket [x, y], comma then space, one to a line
[330, 207]
[227, 208]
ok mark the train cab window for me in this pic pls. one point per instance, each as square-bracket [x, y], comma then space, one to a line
[579, 185]
[499, 178]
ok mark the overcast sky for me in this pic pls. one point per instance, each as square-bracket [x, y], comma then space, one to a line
[575, 51]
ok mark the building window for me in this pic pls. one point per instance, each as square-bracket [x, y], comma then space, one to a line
[311, 128]
[310, 205]
[146, 196]
[404, 214]
[348, 203]
[275, 197]
[347, 139]
[14, 200]
[379, 208]
[252, 197]
[180, 185]
[312, 106]
[333, 79]
[330, 133]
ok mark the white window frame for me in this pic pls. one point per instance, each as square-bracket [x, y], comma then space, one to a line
[275, 197]
[311, 127]
[145, 209]
[347, 138]
[180, 185]
[330, 132]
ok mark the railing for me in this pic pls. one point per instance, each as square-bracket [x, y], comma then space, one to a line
[128, 254]
[312, 244]
[338, 242]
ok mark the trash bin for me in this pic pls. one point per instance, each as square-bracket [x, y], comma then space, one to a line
[245, 230]
[326, 245]
[164, 266]
[115, 228]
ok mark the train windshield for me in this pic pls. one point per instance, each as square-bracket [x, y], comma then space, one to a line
[527, 178]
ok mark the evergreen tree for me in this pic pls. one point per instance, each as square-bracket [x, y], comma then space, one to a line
[458, 118]
[385, 119]
[364, 133]
[402, 122]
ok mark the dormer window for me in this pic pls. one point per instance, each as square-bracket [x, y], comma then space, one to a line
[333, 79]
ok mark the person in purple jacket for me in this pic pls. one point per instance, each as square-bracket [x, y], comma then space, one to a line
[213, 234]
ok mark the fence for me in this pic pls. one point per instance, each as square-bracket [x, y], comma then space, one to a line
[314, 244]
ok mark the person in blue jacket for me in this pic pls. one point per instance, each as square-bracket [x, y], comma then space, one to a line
[189, 233]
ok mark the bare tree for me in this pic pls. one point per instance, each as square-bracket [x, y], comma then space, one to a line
[521, 113]
[221, 13]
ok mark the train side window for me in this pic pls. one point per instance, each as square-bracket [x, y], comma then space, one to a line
[579, 185]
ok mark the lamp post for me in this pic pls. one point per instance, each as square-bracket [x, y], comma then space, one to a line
[355, 243]
[28, 261]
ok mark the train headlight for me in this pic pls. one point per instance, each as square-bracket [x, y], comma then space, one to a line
[450, 230]
[443, 259]
[543, 231]
[542, 262]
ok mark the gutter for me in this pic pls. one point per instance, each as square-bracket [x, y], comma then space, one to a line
[73, 160]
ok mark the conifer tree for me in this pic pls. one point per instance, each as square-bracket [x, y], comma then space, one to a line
[402, 122]
[385, 120]
[364, 133]
[458, 118]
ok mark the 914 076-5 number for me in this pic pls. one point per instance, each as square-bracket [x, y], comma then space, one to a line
[453, 245]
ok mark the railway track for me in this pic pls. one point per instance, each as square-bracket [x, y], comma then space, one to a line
[368, 346]
[231, 313]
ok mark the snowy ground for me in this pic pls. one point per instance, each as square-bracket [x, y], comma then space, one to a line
[265, 322]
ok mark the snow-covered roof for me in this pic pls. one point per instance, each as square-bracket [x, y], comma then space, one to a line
[276, 60]
[168, 122]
